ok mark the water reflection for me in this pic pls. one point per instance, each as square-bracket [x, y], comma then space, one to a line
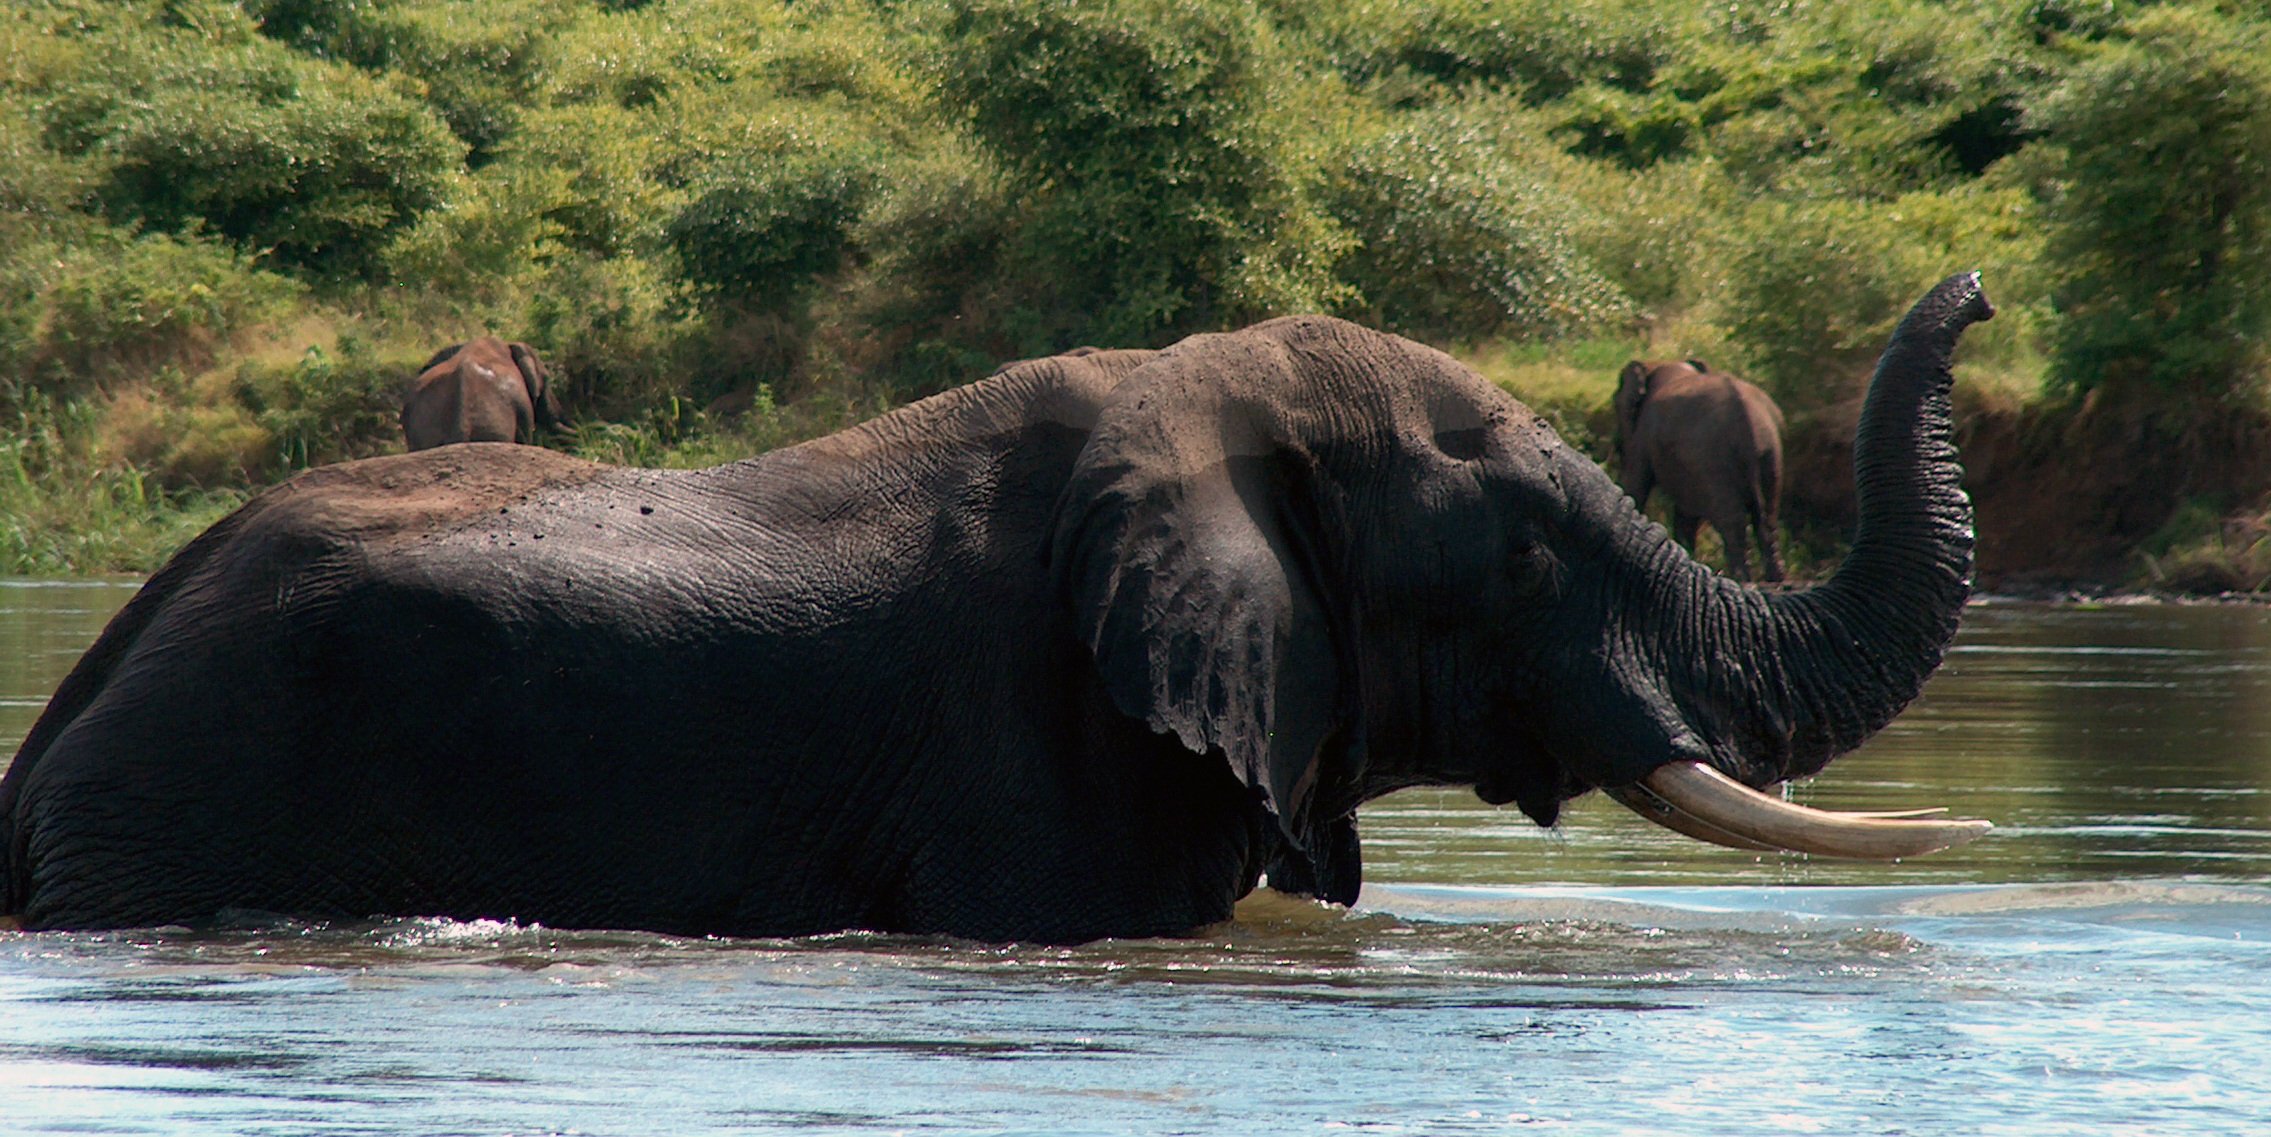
[2110, 742]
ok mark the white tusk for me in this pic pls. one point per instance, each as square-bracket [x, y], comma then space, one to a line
[1694, 799]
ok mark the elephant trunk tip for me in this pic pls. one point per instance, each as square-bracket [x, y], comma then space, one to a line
[1953, 305]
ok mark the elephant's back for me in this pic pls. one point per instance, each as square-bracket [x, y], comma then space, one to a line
[1728, 406]
[407, 496]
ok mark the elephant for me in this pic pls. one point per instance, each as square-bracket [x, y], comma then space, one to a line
[1091, 647]
[485, 390]
[1714, 444]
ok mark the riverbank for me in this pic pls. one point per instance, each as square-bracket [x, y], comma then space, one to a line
[2071, 504]
[2086, 499]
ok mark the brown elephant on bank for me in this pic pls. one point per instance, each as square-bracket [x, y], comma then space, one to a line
[1713, 443]
[485, 390]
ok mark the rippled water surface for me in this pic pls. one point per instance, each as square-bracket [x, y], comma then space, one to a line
[2099, 964]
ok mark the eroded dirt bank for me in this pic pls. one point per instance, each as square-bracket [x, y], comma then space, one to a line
[2095, 496]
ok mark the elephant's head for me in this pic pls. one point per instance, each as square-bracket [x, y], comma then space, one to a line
[1640, 379]
[1344, 563]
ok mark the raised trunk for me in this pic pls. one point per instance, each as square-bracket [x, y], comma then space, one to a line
[1870, 635]
[1810, 675]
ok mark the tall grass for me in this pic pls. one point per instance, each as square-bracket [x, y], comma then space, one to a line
[63, 513]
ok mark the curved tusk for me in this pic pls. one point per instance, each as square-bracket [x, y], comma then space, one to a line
[1696, 800]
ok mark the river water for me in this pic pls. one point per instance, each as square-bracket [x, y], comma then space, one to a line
[2101, 963]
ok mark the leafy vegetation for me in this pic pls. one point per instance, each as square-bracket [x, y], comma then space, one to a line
[229, 229]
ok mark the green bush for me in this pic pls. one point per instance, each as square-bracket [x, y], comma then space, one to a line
[2160, 211]
[475, 62]
[312, 164]
[1156, 192]
[1537, 49]
[1898, 97]
[1812, 290]
[40, 190]
[330, 406]
[64, 511]
[609, 203]
[762, 227]
[158, 300]
[615, 333]
[931, 304]
[499, 230]
[1658, 233]
[1457, 238]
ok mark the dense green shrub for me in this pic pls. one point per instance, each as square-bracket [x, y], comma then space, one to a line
[1456, 236]
[609, 203]
[475, 62]
[329, 405]
[62, 510]
[314, 165]
[1889, 98]
[1158, 193]
[932, 300]
[130, 306]
[1537, 49]
[2160, 207]
[498, 231]
[1657, 233]
[39, 189]
[761, 227]
[615, 333]
[23, 282]
[1811, 291]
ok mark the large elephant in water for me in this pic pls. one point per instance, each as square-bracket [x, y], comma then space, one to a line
[484, 390]
[1713, 444]
[1082, 649]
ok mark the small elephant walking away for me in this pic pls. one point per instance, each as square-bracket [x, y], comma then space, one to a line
[1713, 444]
[485, 390]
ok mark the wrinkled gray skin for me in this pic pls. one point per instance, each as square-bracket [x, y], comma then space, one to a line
[1081, 649]
[1713, 444]
[486, 390]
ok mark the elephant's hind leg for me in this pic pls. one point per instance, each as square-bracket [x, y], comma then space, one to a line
[1734, 538]
[1769, 555]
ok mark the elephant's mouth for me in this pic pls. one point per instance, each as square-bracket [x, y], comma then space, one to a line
[1693, 799]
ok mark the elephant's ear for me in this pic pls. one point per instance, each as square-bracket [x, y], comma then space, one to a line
[1191, 568]
[539, 381]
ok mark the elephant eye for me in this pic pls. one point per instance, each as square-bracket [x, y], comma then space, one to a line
[1535, 573]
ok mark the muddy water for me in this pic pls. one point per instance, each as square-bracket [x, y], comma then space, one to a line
[2101, 963]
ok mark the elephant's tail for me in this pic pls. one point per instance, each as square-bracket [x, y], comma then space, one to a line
[78, 689]
[1765, 489]
[1764, 498]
